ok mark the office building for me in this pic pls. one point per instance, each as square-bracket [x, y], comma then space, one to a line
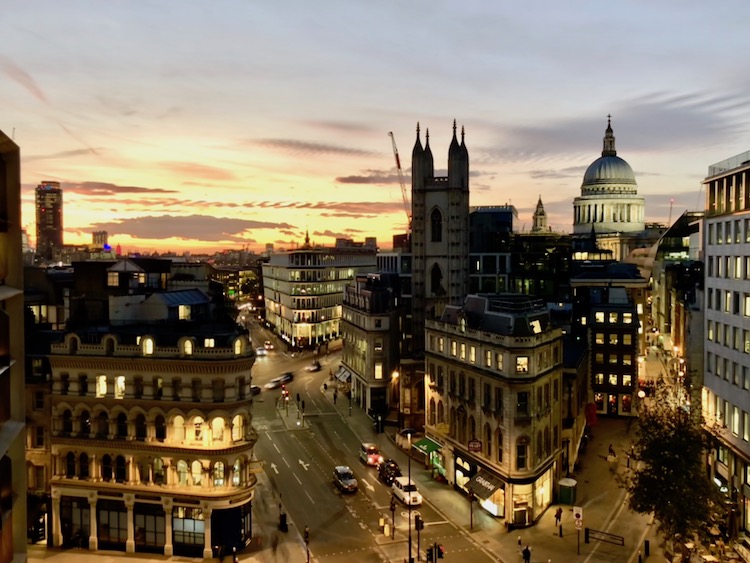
[12, 409]
[49, 219]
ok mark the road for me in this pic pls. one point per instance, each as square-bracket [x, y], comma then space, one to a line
[300, 453]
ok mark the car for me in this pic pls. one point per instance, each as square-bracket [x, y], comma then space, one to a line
[268, 345]
[388, 471]
[315, 366]
[277, 382]
[405, 490]
[369, 454]
[254, 390]
[261, 351]
[344, 479]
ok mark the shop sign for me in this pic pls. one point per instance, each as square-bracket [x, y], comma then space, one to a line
[475, 445]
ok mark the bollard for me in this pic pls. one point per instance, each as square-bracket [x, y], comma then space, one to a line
[387, 530]
[646, 547]
[560, 530]
[640, 560]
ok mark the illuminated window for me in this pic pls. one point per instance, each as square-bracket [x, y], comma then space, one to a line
[612, 379]
[599, 358]
[599, 379]
[613, 339]
[499, 360]
[101, 385]
[441, 344]
[599, 338]
[208, 343]
[238, 347]
[119, 387]
[454, 348]
[599, 316]
[472, 354]
[188, 347]
[463, 351]
[612, 358]
[184, 312]
[627, 360]
[378, 370]
[148, 346]
[613, 318]
[522, 364]
[113, 279]
[627, 318]
[627, 339]
[627, 379]
[488, 358]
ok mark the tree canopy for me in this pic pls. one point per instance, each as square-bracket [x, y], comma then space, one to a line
[668, 477]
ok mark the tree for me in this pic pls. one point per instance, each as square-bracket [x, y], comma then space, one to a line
[668, 476]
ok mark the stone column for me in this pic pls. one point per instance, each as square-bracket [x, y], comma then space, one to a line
[130, 544]
[129, 480]
[95, 469]
[168, 548]
[93, 532]
[57, 538]
[207, 548]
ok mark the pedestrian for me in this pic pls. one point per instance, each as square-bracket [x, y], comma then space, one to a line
[558, 516]
[335, 396]
[519, 544]
[612, 451]
[526, 554]
[325, 387]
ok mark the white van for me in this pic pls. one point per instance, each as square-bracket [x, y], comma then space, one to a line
[405, 490]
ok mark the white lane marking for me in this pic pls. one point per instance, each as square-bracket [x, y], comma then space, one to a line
[308, 496]
[295, 476]
[278, 451]
[285, 461]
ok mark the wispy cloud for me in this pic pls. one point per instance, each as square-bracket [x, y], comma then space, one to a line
[105, 190]
[199, 170]
[23, 78]
[299, 148]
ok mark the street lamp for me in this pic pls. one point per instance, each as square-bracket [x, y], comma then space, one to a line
[408, 432]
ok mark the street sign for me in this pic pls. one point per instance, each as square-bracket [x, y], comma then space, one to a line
[579, 524]
[578, 513]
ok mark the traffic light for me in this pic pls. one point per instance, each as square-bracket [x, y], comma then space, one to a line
[429, 555]
[440, 551]
[418, 523]
[393, 504]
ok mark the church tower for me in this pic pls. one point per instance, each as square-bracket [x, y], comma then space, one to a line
[440, 232]
[539, 222]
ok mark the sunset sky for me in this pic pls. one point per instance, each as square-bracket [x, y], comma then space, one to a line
[205, 125]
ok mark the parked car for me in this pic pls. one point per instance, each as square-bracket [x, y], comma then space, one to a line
[345, 479]
[369, 454]
[388, 471]
[405, 490]
[268, 345]
[261, 351]
[254, 390]
[277, 382]
[315, 366]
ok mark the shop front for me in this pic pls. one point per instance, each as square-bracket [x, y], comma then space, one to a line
[489, 490]
[434, 457]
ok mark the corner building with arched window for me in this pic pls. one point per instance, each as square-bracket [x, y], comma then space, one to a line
[152, 438]
[493, 416]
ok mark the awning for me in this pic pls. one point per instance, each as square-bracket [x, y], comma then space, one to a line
[483, 484]
[426, 446]
[343, 374]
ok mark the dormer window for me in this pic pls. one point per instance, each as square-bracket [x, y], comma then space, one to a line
[187, 347]
[184, 312]
[209, 343]
[147, 344]
[238, 347]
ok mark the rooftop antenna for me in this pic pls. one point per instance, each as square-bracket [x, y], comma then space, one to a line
[671, 203]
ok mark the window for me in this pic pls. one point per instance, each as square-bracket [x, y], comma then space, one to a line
[521, 452]
[710, 331]
[64, 383]
[472, 390]
[83, 385]
[436, 226]
[463, 351]
[454, 348]
[719, 233]
[218, 474]
[499, 360]
[113, 279]
[746, 305]
[187, 347]
[158, 387]
[599, 316]
[486, 396]
[498, 401]
[599, 357]
[627, 318]
[737, 267]
[599, 338]
[613, 338]
[378, 370]
[148, 346]
[39, 436]
[627, 360]
[522, 364]
[441, 344]
[627, 339]
[184, 312]
[378, 344]
[613, 318]
[599, 378]
[612, 379]
[472, 354]
[101, 385]
[208, 343]
[488, 358]
[119, 387]
[522, 404]
[138, 387]
[39, 399]
[196, 389]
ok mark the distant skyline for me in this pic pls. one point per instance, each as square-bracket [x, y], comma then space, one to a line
[202, 126]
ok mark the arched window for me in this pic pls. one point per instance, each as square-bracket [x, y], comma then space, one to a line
[140, 427]
[522, 453]
[539, 445]
[238, 347]
[196, 472]
[238, 428]
[148, 346]
[440, 413]
[237, 473]
[487, 440]
[198, 428]
[121, 473]
[70, 465]
[178, 424]
[452, 421]
[436, 226]
[547, 444]
[159, 471]
[85, 420]
[432, 412]
[182, 473]
[122, 425]
[188, 347]
[472, 429]
[217, 429]
[219, 474]
[160, 428]
[83, 471]
[436, 280]
[499, 445]
[102, 425]
[107, 468]
[67, 422]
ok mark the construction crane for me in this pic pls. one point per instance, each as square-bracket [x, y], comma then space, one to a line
[407, 204]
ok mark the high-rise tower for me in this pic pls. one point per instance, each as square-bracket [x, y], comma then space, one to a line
[440, 233]
[49, 223]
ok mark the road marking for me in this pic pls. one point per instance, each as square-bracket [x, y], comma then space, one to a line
[273, 466]
[370, 487]
[304, 465]
[276, 448]
[308, 496]
[295, 476]
[285, 461]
